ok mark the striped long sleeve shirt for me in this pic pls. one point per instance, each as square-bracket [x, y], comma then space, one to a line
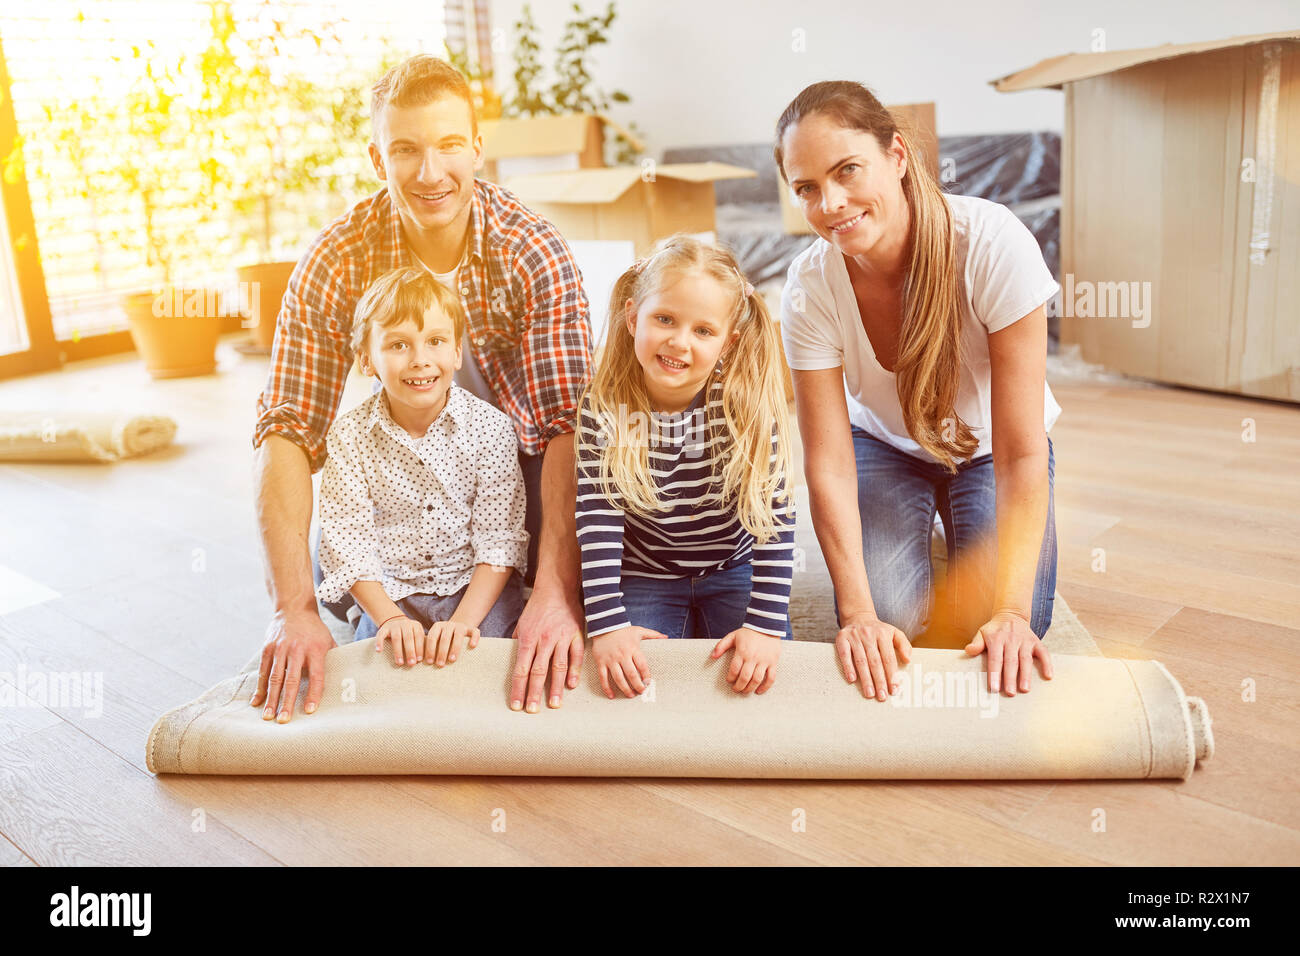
[696, 534]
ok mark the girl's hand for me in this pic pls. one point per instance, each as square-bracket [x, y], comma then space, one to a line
[869, 652]
[1012, 647]
[618, 655]
[753, 665]
[407, 637]
[446, 641]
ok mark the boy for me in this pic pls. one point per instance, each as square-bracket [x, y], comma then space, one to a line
[422, 497]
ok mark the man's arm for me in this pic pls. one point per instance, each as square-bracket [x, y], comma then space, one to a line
[556, 353]
[550, 629]
[309, 363]
[296, 634]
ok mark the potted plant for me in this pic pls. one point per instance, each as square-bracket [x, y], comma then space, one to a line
[175, 326]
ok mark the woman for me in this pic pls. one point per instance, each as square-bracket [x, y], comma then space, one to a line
[916, 332]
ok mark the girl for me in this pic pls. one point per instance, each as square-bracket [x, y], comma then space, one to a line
[916, 332]
[684, 517]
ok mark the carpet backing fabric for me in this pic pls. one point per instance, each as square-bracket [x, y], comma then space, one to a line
[1098, 718]
[81, 436]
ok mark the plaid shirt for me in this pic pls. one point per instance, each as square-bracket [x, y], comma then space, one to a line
[529, 323]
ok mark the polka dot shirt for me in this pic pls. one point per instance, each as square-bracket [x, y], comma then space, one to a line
[416, 514]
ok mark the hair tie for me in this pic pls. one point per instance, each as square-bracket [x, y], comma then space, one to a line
[745, 285]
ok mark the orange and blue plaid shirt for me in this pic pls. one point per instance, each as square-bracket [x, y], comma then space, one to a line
[529, 322]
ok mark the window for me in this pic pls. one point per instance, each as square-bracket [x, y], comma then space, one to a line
[172, 140]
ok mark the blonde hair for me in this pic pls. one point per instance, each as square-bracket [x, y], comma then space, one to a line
[928, 366]
[403, 294]
[753, 392]
[419, 80]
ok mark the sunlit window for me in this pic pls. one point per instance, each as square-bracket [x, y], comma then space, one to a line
[173, 140]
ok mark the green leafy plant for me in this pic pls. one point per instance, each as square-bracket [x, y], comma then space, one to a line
[573, 89]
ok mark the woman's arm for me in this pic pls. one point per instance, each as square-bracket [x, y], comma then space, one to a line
[869, 649]
[1018, 364]
[1018, 360]
[832, 475]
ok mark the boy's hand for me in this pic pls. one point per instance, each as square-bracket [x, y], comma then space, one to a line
[753, 663]
[446, 640]
[407, 637]
[618, 655]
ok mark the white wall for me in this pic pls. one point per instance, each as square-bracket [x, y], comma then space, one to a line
[710, 72]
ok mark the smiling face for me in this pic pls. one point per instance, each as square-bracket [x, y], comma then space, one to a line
[416, 367]
[850, 190]
[679, 333]
[428, 155]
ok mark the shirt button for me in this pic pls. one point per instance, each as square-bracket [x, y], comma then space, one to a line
[428, 557]
[464, 290]
[479, 340]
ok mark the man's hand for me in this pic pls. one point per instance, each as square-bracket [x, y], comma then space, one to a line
[1012, 647]
[294, 639]
[550, 641]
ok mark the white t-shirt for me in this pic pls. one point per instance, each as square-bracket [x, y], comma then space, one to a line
[1003, 278]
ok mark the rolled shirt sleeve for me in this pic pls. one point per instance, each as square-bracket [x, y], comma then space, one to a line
[556, 343]
[309, 359]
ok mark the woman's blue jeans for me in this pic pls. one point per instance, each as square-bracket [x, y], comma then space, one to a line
[710, 606]
[898, 497]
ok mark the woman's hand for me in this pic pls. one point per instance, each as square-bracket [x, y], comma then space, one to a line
[1012, 647]
[407, 637]
[618, 656]
[446, 639]
[753, 664]
[869, 651]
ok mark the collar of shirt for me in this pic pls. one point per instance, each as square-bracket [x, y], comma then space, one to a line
[455, 414]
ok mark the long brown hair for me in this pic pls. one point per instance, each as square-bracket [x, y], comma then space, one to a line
[753, 391]
[928, 366]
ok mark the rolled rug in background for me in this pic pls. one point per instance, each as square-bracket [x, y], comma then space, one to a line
[1098, 718]
[81, 436]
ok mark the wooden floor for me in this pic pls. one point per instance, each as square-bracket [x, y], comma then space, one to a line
[1178, 541]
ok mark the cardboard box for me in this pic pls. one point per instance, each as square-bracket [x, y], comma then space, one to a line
[535, 144]
[1180, 210]
[627, 202]
[917, 117]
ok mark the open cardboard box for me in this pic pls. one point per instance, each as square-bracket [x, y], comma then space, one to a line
[642, 205]
[1180, 209]
[537, 144]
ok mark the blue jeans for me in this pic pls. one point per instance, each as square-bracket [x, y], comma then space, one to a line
[710, 606]
[430, 608]
[898, 497]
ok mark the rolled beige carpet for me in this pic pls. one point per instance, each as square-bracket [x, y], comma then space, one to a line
[1099, 718]
[81, 436]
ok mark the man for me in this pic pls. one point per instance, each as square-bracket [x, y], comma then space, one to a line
[528, 346]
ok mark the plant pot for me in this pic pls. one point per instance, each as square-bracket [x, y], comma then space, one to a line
[174, 341]
[267, 282]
